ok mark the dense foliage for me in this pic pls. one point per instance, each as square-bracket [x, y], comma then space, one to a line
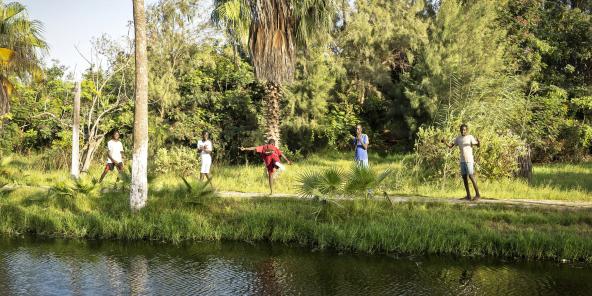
[409, 71]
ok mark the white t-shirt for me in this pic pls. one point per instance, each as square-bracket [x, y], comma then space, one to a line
[465, 143]
[115, 149]
[207, 145]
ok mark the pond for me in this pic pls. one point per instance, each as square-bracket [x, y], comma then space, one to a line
[30, 266]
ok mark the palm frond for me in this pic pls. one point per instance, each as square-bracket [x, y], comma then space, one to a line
[308, 183]
[361, 180]
[331, 182]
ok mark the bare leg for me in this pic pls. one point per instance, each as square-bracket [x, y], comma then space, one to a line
[105, 171]
[270, 177]
[201, 175]
[119, 171]
[466, 182]
[474, 181]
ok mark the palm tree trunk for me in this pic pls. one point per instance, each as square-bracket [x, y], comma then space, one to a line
[75, 172]
[273, 95]
[139, 186]
[4, 101]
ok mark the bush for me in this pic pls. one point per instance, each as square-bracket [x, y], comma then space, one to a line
[496, 158]
[181, 161]
[334, 182]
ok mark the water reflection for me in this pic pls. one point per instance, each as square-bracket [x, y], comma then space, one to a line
[41, 267]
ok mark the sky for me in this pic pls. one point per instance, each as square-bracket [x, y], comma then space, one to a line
[70, 23]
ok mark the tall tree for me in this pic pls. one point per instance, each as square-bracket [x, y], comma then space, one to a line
[75, 168]
[273, 31]
[139, 186]
[20, 45]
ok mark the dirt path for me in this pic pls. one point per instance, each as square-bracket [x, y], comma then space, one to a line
[404, 199]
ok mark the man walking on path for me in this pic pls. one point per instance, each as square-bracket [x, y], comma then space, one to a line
[271, 158]
[114, 155]
[465, 143]
[361, 147]
[205, 148]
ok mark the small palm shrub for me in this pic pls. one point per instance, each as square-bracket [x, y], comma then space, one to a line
[335, 183]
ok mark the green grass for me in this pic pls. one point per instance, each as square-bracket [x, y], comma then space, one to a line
[566, 182]
[52, 205]
[174, 214]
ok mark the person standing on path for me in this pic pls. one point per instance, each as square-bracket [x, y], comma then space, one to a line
[465, 143]
[361, 147]
[271, 158]
[205, 148]
[114, 155]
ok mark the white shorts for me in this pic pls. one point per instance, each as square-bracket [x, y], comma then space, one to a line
[206, 163]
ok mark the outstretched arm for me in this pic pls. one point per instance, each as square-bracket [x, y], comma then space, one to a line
[284, 157]
[247, 148]
[477, 142]
[447, 144]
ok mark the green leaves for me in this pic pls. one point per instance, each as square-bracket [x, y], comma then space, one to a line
[333, 182]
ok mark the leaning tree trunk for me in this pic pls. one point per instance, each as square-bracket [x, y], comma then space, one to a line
[4, 100]
[139, 186]
[75, 172]
[273, 96]
[89, 150]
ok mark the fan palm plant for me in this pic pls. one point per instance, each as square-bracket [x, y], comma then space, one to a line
[21, 48]
[333, 182]
[271, 32]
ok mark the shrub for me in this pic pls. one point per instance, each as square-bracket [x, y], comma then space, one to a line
[496, 158]
[334, 182]
[181, 161]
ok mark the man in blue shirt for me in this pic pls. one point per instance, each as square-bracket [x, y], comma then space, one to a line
[361, 146]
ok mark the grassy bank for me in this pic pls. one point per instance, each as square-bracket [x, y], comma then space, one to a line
[174, 214]
[567, 182]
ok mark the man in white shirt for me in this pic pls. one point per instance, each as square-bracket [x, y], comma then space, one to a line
[114, 155]
[465, 143]
[205, 148]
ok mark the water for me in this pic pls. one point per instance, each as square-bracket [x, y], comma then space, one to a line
[59, 267]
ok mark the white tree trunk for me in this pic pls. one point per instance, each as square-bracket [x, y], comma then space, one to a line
[139, 186]
[75, 171]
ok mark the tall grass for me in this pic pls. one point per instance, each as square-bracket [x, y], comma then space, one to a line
[178, 213]
[568, 182]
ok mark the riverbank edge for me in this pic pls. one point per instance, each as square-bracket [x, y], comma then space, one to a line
[366, 226]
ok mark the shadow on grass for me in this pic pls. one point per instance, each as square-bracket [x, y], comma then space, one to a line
[563, 180]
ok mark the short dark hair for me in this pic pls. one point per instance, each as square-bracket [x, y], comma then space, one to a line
[204, 132]
[115, 132]
[271, 141]
[463, 125]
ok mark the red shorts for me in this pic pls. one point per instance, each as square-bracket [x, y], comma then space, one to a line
[112, 166]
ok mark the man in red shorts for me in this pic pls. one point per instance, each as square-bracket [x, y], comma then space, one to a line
[114, 156]
[271, 158]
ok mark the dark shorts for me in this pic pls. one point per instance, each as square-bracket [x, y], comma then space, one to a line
[467, 168]
[112, 166]
[270, 168]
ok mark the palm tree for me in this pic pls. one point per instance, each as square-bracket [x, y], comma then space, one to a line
[139, 186]
[21, 46]
[273, 31]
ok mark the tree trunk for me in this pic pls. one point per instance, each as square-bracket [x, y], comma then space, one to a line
[4, 100]
[525, 166]
[139, 186]
[273, 96]
[75, 172]
[89, 151]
